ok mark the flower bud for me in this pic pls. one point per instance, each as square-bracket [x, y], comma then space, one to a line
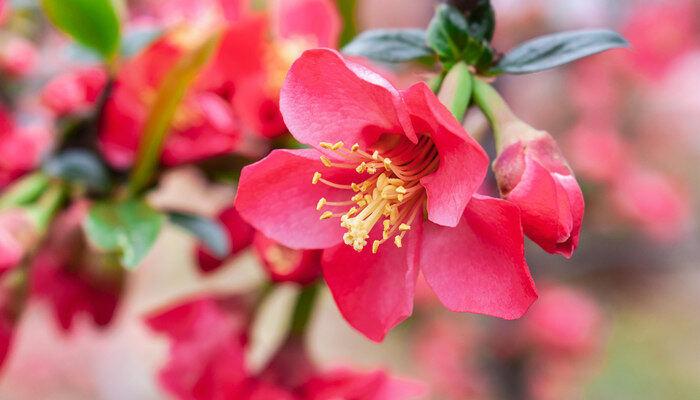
[532, 173]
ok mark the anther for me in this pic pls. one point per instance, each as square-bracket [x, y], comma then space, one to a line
[404, 227]
[401, 190]
[326, 145]
[315, 179]
[326, 215]
[387, 163]
[375, 155]
[326, 161]
[361, 168]
[355, 187]
[321, 203]
[397, 241]
[355, 147]
[375, 246]
[337, 146]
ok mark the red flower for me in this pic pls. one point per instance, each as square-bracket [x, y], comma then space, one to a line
[70, 277]
[207, 350]
[283, 264]
[405, 156]
[75, 91]
[21, 146]
[240, 236]
[204, 124]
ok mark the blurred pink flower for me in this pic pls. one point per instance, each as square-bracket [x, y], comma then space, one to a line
[72, 279]
[18, 234]
[597, 151]
[660, 206]
[18, 56]
[74, 91]
[659, 33]
[21, 146]
[564, 320]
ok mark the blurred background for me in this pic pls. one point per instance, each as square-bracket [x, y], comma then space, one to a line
[619, 320]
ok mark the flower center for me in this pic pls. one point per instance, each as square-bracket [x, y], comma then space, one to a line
[389, 189]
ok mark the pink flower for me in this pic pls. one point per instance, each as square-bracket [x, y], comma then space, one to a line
[21, 146]
[17, 56]
[284, 264]
[387, 158]
[597, 151]
[347, 384]
[564, 320]
[18, 234]
[532, 173]
[660, 32]
[660, 206]
[70, 277]
[207, 349]
[240, 236]
[75, 91]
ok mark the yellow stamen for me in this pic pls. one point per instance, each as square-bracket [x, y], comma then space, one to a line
[337, 146]
[327, 162]
[326, 145]
[326, 215]
[404, 227]
[375, 246]
[315, 179]
[355, 147]
[321, 203]
[397, 241]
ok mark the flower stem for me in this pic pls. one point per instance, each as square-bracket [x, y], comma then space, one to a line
[494, 108]
[303, 310]
[456, 90]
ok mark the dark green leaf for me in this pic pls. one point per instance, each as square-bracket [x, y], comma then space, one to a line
[551, 51]
[79, 166]
[390, 45]
[210, 232]
[481, 20]
[448, 33]
[129, 228]
[92, 23]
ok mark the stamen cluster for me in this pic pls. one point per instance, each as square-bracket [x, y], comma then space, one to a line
[390, 190]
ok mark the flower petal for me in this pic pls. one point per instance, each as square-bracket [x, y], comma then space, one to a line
[276, 196]
[463, 163]
[317, 19]
[374, 292]
[326, 99]
[479, 265]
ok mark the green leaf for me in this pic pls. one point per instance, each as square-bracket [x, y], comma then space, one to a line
[551, 51]
[348, 13]
[167, 100]
[448, 33]
[129, 228]
[92, 23]
[79, 166]
[210, 232]
[390, 45]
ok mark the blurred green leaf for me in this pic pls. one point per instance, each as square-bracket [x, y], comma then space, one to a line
[551, 51]
[481, 20]
[390, 45]
[92, 23]
[79, 166]
[456, 90]
[129, 228]
[347, 10]
[210, 232]
[168, 97]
